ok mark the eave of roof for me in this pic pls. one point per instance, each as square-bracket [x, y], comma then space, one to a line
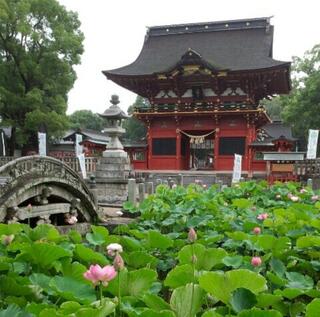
[238, 47]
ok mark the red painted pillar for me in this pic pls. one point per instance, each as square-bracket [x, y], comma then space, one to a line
[149, 138]
[178, 150]
[216, 149]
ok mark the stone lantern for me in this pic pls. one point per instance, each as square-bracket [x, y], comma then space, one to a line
[114, 166]
[113, 117]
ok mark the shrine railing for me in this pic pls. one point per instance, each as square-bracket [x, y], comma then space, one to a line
[72, 162]
[193, 108]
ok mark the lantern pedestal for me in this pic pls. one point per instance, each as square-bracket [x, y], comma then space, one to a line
[114, 166]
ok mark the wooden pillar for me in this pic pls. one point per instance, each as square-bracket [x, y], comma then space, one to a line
[178, 150]
[149, 151]
[216, 148]
[250, 139]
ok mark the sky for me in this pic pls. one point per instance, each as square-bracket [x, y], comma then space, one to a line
[114, 33]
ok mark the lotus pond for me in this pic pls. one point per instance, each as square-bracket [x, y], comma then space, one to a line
[248, 251]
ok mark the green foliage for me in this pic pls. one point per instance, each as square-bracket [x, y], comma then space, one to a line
[86, 119]
[302, 105]
[40, 41]
[135, 129]
[165, 275]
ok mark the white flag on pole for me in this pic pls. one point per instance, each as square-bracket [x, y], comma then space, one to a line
[79, 147]
[42, 143]
[236, 175]
[82, 162]
[312, 144]
[3, 144]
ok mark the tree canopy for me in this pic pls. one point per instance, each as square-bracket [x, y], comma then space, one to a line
[40, 41]
[135, 129]
[86, 119]
[301, 107]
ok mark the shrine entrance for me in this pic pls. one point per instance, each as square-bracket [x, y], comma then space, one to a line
[199, 149]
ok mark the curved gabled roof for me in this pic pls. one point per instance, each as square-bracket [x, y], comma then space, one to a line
[234, 45]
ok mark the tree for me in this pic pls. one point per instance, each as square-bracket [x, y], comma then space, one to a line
[301, 107]
[135, 129]
[86, 119]
[40, 41]
[273, 107]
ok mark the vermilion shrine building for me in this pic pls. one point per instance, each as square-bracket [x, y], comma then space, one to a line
[204, 82]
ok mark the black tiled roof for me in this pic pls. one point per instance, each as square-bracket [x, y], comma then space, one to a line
[234, 45]
[275, 130]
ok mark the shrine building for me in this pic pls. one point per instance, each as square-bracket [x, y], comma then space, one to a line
[204, 83]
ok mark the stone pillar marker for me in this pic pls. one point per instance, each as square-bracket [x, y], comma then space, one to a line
[114, 166]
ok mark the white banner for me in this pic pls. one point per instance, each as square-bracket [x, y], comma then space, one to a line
[42, 138]
[82, 162]
[312, 144]
[3, 144]
[236, 175]
[79, 147]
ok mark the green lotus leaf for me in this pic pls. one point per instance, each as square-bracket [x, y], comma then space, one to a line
[179, 276]
[221, 285]
[242, 299]
[289, 293]
[138, 259]
[313, 308]
[206, 259]
[267, 300]
[277, 266]
[156, 240]
[89, 256]
[14, 311]
[233, 261]
[187, 300]
[211, 313]
[254, 312]
[73, 290]
[133, 283]
[95, 238]
[43, 254]
[298, 280]
[155, 302]
[308, 241]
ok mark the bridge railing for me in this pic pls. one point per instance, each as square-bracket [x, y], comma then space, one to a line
[73, 162]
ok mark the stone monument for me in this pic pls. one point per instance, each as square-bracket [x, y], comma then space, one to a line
[114, 166]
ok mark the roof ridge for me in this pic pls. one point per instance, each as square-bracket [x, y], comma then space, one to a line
[250, 23]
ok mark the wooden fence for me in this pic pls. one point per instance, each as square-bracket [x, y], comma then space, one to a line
[73, 162]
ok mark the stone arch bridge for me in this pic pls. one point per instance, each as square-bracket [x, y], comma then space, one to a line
[44, 190]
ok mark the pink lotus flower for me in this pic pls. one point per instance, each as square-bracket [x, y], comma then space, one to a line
[29, 207]
[256, 230]
[294, 198]
[278, 196]
[174, 186]
[289, 195]
[97, 274]
[114, 248]
[303, 190]
[204, 186]
[262, 216]
[253, 208]
[192, 235]
[256, 261]
[315, 197]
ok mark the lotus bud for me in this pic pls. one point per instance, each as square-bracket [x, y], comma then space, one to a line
[194, 259]
[256, 261]
[114, 248]
[29, 207]
[256, 230]
[6, 240]
[118, 262]
[192, 235]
